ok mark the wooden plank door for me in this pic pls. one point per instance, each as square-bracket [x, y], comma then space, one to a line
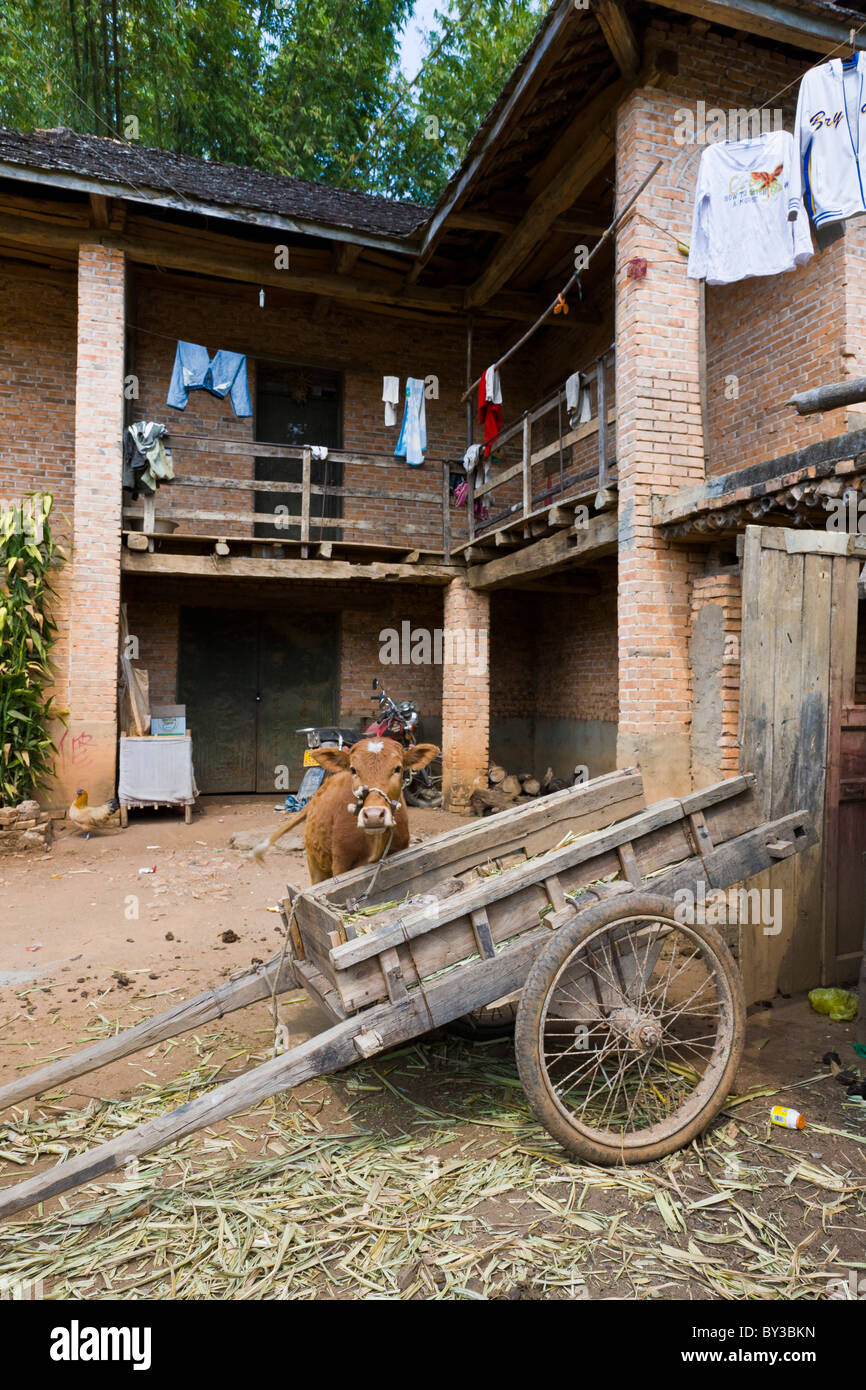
[846, 931]
[797, 674]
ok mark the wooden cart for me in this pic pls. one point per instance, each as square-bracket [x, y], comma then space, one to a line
[586, 906]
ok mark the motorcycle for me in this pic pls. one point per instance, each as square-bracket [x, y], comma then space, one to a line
[396, 721]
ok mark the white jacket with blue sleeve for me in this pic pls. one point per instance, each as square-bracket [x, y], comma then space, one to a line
[830, 172]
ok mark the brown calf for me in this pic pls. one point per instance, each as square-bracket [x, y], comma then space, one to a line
[353, 814]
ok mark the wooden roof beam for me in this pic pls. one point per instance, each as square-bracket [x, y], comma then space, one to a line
[814, 32]
[582, 220]
[100, 210]
[588, 149]
[620, 36]
[252, 263]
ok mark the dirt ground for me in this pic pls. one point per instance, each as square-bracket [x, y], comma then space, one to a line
[421, 1174]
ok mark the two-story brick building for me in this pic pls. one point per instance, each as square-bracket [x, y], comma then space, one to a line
[633, 617]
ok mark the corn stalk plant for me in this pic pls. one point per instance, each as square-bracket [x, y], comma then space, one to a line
[27, 633]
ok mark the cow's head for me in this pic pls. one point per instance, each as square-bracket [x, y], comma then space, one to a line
[376, 766]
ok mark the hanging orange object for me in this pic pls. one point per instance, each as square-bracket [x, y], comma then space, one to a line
[560, 307]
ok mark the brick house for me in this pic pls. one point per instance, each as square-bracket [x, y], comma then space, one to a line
[633, 569]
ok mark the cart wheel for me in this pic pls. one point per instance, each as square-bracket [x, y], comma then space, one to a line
[630, 1030]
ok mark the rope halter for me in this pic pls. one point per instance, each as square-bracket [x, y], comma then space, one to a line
[360, 795]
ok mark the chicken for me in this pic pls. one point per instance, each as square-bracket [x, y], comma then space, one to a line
[89, 818]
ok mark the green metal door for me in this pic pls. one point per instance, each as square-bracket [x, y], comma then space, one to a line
[297, 686]
[249, 680]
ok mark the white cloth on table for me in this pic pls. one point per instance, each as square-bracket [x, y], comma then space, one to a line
[157, 769]
[391, 397]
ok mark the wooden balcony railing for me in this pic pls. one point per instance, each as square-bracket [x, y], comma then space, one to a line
[522, 493]
[378, 502]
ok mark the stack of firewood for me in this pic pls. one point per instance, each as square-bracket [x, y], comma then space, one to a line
[499, 789]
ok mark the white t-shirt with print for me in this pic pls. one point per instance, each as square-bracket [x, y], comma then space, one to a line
[740, 226]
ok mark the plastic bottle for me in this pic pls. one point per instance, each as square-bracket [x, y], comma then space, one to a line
[787, 1118]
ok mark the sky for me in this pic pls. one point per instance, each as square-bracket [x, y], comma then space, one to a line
[412, 50]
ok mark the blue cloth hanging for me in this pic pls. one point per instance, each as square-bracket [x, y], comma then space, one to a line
[413, 431]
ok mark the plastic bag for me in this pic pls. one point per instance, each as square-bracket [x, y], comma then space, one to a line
[840, 1004]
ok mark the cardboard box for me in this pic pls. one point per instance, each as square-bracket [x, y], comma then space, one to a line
[168, 719]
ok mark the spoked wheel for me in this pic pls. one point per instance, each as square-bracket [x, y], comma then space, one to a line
[630, 1030]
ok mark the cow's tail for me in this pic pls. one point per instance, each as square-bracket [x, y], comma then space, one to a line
[287, 825]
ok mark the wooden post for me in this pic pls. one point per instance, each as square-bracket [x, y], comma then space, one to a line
[305, 504]
[603, 469]
[446, 510]
[470, 505]
[527, 468]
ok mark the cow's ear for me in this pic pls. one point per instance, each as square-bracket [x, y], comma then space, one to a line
[419, 755]
[332, 759]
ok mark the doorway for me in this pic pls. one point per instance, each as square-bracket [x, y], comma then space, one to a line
[249, 680]
[299, 405]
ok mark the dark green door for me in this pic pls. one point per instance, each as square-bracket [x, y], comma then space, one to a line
[298, 679]
[248, 681]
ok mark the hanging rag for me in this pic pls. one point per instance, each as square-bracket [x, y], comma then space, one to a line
[577, 401]
[472, 457]
[134, 466]
[413, 431]
[490, 406]
[147, 436]
[391, 397]
[319, 451]
[224, 374]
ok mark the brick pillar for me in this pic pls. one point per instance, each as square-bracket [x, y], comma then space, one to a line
[716, 622]
[88, 751]
[659, 448]
[465, 692]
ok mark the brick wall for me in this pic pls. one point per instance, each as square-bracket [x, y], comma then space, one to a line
[465, 700]
[776, 334]
[659, 448]
[716, 623]
[553, 684]
[768, 337]
[88, 754]
[37, 412]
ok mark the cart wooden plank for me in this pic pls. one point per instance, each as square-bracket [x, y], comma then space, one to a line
[249, 988]
[338, 1047]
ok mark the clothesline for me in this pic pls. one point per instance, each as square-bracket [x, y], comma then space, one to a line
[570, 283]
[782, 90]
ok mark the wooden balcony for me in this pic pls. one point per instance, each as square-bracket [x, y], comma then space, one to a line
[237, 507]
[555, 506]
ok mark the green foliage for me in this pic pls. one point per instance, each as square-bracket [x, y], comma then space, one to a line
[304, 87]
[26, 636]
